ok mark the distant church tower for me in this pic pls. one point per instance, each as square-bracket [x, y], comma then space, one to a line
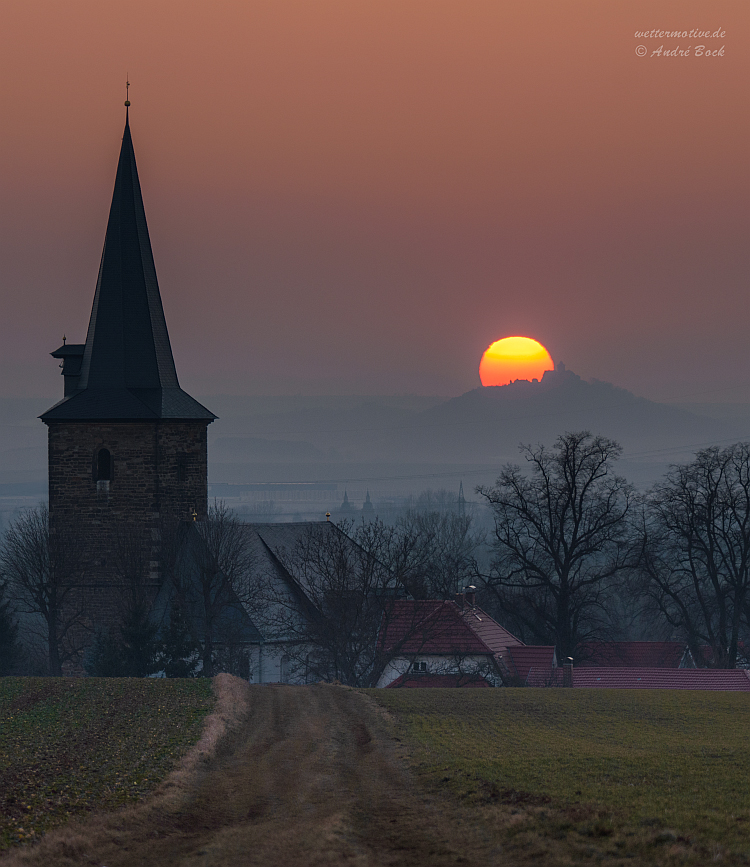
[127, 446]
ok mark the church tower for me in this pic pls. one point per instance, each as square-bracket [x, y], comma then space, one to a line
[127, 446]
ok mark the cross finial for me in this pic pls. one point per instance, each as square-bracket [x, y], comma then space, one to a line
[127, 91]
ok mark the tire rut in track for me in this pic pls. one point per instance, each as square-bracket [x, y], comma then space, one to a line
[310, 777]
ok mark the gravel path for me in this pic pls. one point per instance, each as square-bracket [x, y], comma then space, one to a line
[294, 776]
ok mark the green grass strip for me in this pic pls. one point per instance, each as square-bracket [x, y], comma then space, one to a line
[650, 758]
[68, 745]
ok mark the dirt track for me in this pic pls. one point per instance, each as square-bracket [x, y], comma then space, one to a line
[303, 776]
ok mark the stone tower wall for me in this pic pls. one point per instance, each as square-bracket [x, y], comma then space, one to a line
[159, 471]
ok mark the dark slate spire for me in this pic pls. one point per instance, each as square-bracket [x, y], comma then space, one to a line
[127, 370]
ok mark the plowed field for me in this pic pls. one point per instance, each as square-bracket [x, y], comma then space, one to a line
[323, 775]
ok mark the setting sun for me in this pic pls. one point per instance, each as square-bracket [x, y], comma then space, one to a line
[514, 358]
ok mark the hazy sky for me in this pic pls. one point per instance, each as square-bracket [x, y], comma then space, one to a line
[360, 196]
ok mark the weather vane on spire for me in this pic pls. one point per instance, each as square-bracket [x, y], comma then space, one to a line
[127, 89]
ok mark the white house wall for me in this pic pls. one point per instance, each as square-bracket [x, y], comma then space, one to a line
[437, 664]
[267, 665]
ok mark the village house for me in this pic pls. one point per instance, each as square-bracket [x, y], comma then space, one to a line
[454, 644]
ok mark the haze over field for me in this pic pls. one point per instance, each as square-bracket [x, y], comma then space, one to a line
[399, 445]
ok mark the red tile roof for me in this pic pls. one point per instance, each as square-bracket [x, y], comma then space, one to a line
[631, 654]
[427, 626]
[432, 681]
[662, 678]
[706, 656]
[522, 659]
[545, 677]
[487, 630]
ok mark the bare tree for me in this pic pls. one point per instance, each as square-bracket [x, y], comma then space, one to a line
[560, 537]
[696, 551]
[346, 592]
[211, 573]
[437, 551]
[44, 575]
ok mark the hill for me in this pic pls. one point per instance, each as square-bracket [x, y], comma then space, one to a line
[484, 425]
[489, 423]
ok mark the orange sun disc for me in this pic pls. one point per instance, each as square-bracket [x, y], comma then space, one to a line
[514, 358]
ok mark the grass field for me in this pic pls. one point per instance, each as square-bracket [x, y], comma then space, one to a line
[616, 773]
[68, 746]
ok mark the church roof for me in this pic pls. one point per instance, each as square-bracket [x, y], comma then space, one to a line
[127, 370]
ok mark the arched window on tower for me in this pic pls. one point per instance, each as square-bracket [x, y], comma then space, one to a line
[103, 469]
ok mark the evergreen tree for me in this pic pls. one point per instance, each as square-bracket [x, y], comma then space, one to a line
[105, 657]
[10, 649]
[138, 643]
[128, 651]
[179, 652]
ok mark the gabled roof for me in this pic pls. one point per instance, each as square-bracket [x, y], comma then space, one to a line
[282, 576]
[429, 627]
[523, 659]
[432, 681]
[280, 542]
[663, 678]
[127, 370]
[233, 625]
[496, 637]
[632, 654]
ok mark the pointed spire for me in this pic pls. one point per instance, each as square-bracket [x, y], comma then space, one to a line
[367, 506]
[127, 370]
[127, 342]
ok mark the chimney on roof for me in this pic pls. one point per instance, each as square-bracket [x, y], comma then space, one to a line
[470, 594]
[460, 600]
[568, 672]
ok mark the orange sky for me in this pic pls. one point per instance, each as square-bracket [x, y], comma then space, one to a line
[360, 197]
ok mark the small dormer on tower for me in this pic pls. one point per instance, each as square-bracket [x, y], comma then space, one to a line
[71, 356]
